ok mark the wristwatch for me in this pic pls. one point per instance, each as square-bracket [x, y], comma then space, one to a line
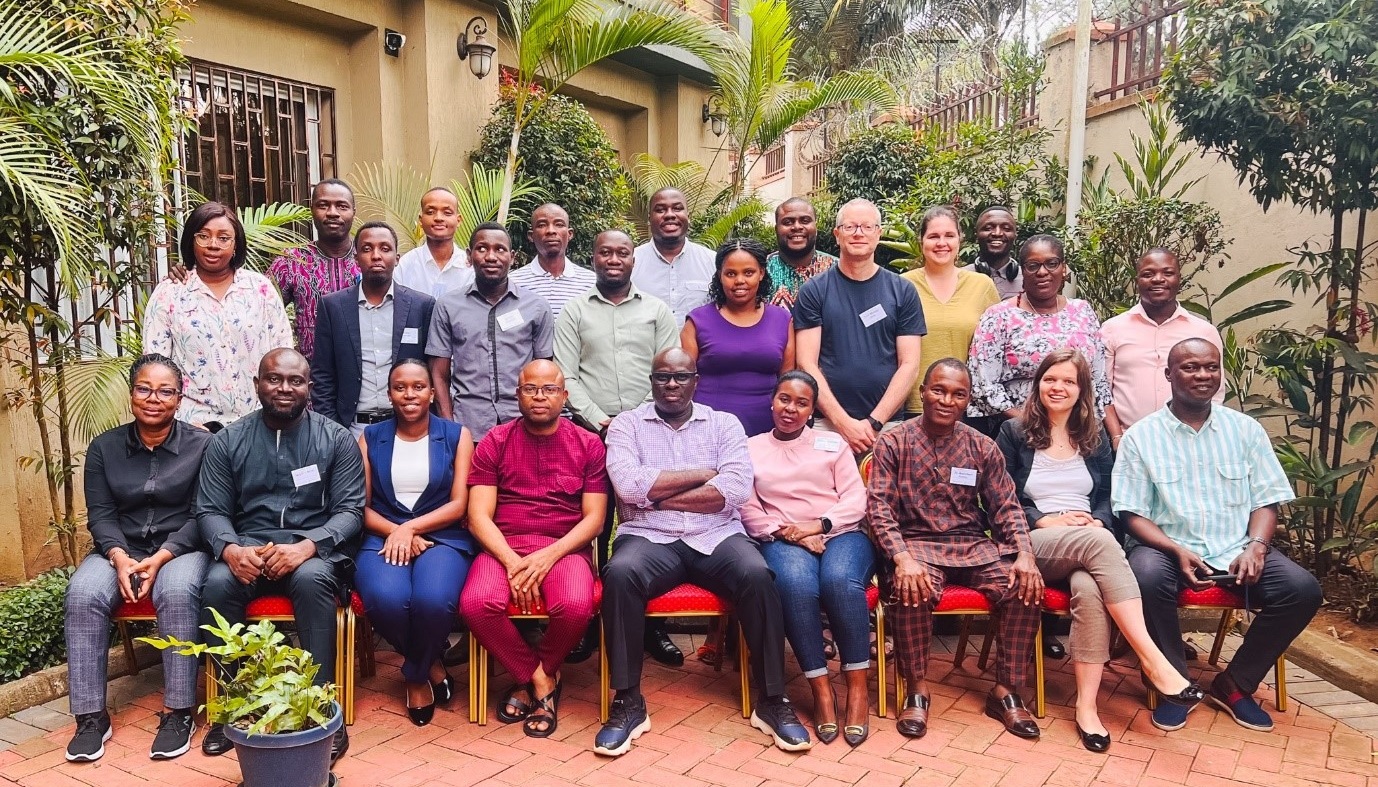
[827, 524]
[875, 424]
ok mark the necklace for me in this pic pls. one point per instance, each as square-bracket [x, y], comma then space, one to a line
[1023, 302]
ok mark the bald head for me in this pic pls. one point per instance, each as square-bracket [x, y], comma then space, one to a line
[674, 377]
[282, 356]
[283, 385]
[674, 356]
[541, 395]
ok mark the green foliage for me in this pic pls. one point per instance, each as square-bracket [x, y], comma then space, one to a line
[31, 616]
[875, 164]
[271, 690]
[714, 213]
[565, 154]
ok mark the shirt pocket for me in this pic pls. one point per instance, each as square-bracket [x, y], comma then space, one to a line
[569, 484]
[1234, 482]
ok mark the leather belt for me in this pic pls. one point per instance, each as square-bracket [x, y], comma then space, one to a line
[372, 417]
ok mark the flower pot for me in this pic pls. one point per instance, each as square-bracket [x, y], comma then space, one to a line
[286, 759]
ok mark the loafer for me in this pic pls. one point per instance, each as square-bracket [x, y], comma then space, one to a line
[339, 744]
[586, 646]
[912, 720]
[1092, 741]
[663, 650]
[1052, 649]
[627, 721]
[775, 717]
[1247, 713]
[1010, 711]
[1168, 717]
[215, 743]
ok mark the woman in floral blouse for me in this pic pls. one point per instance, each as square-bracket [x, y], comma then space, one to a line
[1014, 335]
[219, 323]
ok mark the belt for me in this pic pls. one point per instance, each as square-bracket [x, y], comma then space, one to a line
[372, 417]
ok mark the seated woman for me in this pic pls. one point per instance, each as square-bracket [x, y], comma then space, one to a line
[416, 551]
[1059, 458]
[807, 507]
[140, 483]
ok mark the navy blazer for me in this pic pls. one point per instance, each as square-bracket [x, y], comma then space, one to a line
[337, 367]
[444, 439]
[1019, 456]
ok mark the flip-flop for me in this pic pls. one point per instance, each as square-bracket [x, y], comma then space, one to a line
[524, 708]
[545, 711]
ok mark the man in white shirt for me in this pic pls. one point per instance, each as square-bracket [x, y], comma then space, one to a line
[551, 274]
[439, 265]
[670, 266]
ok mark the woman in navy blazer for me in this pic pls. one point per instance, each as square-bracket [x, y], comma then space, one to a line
[417, 549]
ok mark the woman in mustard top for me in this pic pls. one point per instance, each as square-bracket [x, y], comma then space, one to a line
[953, 298]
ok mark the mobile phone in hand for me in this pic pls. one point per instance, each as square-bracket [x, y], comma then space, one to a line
[136, 583]
[1219, 577]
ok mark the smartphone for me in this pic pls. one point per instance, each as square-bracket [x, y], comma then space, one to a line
[136, 583]
[1219, 577]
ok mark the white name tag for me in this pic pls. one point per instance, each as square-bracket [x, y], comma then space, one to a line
[872, 315]
[831, 443]
[410, 336]
[963, 476]
[306, 475]
[510, 320]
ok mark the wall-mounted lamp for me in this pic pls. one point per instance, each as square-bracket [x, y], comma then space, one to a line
[479, 48]
[712, 113]
[393, 42]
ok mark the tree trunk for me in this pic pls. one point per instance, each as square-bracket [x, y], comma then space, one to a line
[509, 177]
[1323, 524]
[36, 401]
[1351, 337]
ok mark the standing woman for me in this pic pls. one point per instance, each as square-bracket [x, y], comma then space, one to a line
[140, 480]
[1059, 457]
[807, 507]
[740, 342]
[219, 323]
[416, 551]
[953, 298]
[1015, 335]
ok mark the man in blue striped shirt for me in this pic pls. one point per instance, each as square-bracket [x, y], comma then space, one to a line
[1198, 486]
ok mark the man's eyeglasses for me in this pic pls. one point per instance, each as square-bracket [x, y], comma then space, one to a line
[206, 240]
[532, 390]
[144, 392]
[1052, 266]
[853, 229]
[682, 378]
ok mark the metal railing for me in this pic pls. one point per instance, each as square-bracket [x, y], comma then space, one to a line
[773, 162]
[1141, 42]
[990, 103]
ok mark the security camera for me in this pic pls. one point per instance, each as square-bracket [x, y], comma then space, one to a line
[393, 42]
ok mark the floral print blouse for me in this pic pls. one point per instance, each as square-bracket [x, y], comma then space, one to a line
[1011, 342]
[217, 342]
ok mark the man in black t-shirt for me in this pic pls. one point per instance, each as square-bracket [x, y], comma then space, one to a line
[858, 331]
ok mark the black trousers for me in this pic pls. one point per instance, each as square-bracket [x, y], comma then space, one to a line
[641, 570]
[313, 588]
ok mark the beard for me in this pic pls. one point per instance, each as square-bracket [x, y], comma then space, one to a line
[287, 414]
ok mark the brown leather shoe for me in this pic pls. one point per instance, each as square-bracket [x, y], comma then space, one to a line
[913, 717]
[1011, 712]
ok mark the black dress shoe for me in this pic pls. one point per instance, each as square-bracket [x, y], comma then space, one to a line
[660, 647]
[457, 653]
[1052, 649]
[586, 646]
[339, 745]
[419, 716]
[444, 691]
[1092, 742]
[1189, 697]
[215, 743]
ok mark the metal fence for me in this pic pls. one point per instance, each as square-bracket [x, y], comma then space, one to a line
[1141, 43]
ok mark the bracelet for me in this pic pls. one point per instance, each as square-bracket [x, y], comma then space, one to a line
[110, 556]
[1252, 539]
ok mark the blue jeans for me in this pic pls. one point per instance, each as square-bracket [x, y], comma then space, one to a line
[837, 580]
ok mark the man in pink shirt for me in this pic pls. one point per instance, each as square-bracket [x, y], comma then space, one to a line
[1137, 342]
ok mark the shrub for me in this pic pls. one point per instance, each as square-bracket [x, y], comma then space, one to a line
[31, 616]
[875, 164]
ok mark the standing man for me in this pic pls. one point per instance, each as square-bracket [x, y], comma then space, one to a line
[858, 332]
[552, 275]
[439, 265]
[482, 336]
[996, 233]
[670, 266]
[362, 331]
[937, 487]
[280, 507]
[1137, 342]
[1198, 486]
[308, 273]
[797, 258]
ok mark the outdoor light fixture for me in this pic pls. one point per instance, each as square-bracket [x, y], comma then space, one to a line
[712, 112]
[479, 47]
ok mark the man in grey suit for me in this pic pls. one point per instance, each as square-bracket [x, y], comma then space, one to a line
[361, 331]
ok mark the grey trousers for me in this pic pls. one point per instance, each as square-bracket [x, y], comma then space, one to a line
[92, 598]
[1093, 565]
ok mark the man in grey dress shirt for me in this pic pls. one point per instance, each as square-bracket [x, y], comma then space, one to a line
[669, 265]
[482, 335]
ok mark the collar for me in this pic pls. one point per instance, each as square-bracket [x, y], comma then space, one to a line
[1138, 310]
[513, 291]
[454, 255]
[315, 252]
[388, 296]
[700, 413]
[632, 294]
[133, 445]
[1177, 423]
[656, 249]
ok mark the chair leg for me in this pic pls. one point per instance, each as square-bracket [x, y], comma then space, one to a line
[899, 690]
[1280, 699]
[350, 640]
[364, 645]
[1226, 618]
[744, 665]
[1040, 695]
[963, 635]
[984, 662]
[604, 677]
[880, 660]
[129, 657]
[474, 681]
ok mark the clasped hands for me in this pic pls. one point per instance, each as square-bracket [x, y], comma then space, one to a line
[914, 584]
[270, 561]
[808, 534]
[525, 575]
[402, 546]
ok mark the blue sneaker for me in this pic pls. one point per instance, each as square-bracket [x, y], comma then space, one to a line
[627, 720]
[775, 717]
[1169, 717]
[1241, 707]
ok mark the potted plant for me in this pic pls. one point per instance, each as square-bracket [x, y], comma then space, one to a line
[280, 723]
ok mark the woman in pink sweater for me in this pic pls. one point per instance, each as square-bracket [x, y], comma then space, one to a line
[807, 508]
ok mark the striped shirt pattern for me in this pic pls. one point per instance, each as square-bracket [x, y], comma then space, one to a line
[576, 281]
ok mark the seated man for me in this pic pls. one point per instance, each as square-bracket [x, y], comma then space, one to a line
[1198, 486]
[537, 496]
[936, 486]
[281, 506]
[682, 472]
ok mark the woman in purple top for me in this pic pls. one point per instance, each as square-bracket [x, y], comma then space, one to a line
[741, 343]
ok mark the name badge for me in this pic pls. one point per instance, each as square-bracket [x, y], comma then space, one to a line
[410, 336]
[306, 475]
[963, 476]
[872, 315]
[510, 320]
[831, 443]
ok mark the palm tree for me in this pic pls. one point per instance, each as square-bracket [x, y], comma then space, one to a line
[552, 40]
[392, 193]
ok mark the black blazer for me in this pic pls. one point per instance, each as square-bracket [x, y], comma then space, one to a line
[1019, 456]
[338, 367]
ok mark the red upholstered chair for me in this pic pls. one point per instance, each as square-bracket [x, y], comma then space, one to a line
[1055, 602]
[128, 613]
[1230, 604]
[364, 643]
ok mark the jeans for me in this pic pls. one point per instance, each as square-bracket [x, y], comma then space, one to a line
[837, 580]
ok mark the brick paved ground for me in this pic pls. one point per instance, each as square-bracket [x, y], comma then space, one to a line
[699, 738]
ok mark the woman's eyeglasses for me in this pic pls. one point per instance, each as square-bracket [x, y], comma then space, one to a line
[144, 392]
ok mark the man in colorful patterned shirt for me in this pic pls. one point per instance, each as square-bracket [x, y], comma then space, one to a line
[798, 258]
[306, 274]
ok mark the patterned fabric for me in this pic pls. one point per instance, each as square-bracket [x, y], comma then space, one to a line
[788, 279]
[303, 275]
[1199, 487]
[576, 281]
[218, 342]
[1136, 351]
[1011, 342]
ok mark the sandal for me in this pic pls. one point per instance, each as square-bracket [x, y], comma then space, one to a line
[524, 708]
[709, 655]
[545, 711]
[829, 647]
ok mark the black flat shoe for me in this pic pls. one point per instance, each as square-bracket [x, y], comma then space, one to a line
[1092, 742]
[1052, 649]
[856, 734]
[444, 691]
[421, 716]
[1189, 697]
[215, 743]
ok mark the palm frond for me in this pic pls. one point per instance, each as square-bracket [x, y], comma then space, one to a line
[268, 230]
[97, 394]
[30, 173]
[392, 193]
[650, 174]
[717, 232]
[850, 88]
[480, 197]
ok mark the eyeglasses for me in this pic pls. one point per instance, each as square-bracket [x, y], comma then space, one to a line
[1051, 266]
[682, 378]
[853, 229]
[548, 390]
[206, 240]
[144, 392]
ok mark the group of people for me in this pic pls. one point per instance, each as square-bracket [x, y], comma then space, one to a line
[454, 439]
